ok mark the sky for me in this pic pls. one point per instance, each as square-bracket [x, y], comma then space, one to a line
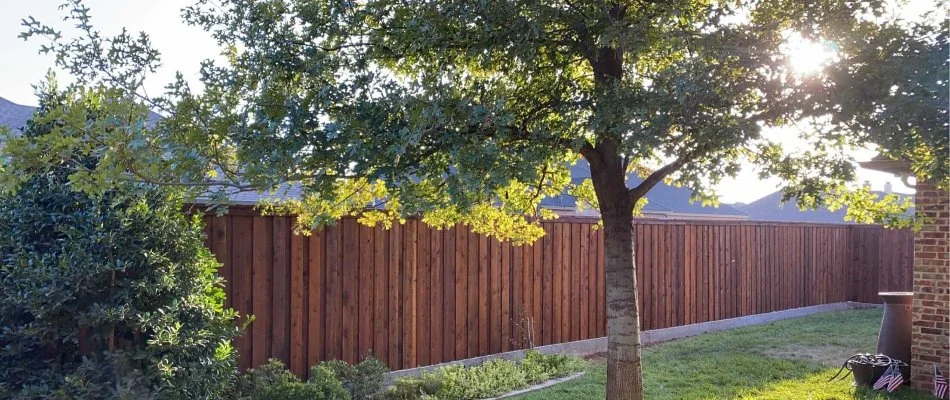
[184, 47]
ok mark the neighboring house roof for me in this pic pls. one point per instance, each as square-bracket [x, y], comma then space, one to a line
[14, 115]
[770, 208]
[663, 200]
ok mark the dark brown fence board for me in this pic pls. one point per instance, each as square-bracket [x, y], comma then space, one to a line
[366, 291]
[461, 293]
[280, 306]
[242, 287]
[473, 295]
[448, 295]
[395, 308]
[333, 321]
[547, 286]
[409, 292]
[505, 279]
[484, 294]
[426, 270]
[380, 294]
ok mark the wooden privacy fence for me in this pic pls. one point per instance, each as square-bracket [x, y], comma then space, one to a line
[415, 295]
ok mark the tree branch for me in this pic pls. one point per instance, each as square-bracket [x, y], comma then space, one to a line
[590, 154]
[641, 190]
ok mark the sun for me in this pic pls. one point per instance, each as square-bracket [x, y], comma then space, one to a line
[806, 56]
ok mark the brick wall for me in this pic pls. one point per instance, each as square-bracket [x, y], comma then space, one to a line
[931, 326]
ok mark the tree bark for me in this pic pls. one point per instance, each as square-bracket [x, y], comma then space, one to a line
[624, 372]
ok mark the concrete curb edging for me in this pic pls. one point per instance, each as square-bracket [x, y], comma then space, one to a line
[857, 305]
[579, 348]
[599, 345]
[539, 386]
[679, 332]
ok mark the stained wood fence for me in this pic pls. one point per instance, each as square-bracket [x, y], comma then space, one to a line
[414, 295]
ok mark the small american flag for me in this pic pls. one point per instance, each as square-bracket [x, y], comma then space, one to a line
[940, 384]
[896, 380]
[884, 379]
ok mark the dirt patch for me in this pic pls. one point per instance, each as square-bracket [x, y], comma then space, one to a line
[828, 355]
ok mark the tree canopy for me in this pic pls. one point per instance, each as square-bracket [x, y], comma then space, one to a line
[471, 111]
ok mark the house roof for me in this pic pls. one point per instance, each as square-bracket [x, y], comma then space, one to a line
[14, 115]
[662, 198]
[884, 163]
[770, 208]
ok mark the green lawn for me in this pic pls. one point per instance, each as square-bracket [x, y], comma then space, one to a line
[790, 359]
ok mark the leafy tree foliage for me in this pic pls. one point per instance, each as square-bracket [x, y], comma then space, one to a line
[106, 296]
[472, 111]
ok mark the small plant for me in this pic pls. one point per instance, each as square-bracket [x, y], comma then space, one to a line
[411, 388]
[541, 367]
[489, 379]
[363, 381]
[328, 383]
[273, 381]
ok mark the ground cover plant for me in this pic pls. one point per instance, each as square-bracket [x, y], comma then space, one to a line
[329, 380]
[492, 378]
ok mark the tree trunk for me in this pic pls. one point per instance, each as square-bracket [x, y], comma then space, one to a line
[624, 373]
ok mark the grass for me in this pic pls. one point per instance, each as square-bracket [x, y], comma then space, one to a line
[791, 359]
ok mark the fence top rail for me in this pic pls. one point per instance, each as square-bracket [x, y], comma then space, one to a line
[251, 211]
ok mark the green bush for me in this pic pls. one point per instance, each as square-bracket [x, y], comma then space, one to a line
[328, 382]
[272, 381]
[424, 386]
[539, 367]
[363, 381]
[107, 296]
[492, 378]
[535, 368]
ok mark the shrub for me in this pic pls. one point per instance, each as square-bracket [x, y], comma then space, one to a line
[535, 368]
[107, 296]
[540, 367]
[489, 379]
[364, 381]
[424, 386]
[272, 381]
[328, 382]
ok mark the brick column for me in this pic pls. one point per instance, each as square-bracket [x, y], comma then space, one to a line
[931, 323]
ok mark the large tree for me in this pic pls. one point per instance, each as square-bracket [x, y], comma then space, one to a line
[472, 111]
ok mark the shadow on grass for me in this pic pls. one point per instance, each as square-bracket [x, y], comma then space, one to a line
[722, 376]
[816, 386]
[755, 363]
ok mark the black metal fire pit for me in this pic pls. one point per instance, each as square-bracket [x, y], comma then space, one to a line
[868, 368]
